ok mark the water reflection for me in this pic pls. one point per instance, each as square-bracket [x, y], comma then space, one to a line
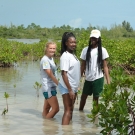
[50, 127]
[25, 75]
[9, 74]
[24, 116]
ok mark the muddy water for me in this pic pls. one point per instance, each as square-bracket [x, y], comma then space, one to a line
[25, 108]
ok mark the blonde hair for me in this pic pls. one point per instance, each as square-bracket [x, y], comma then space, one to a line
[47, 45]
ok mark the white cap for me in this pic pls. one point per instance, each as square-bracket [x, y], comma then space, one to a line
[95, 33]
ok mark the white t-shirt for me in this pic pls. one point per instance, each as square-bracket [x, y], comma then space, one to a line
[47, 83]
[93, 73]
[70, 63]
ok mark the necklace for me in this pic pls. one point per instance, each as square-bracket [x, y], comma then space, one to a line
[73, 55]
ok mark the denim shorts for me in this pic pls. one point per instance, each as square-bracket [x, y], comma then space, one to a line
[49, 94]
[64, 90]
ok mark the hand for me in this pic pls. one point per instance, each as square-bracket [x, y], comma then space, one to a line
[108, 81]
[72, 95]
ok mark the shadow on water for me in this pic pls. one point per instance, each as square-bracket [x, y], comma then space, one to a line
[25, 109]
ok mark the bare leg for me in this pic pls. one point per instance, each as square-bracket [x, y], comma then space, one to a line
[73, 105]
[76, 98]
[68, 109]
[53, 103]
[46, 108]
[96, 100]
[82, 101]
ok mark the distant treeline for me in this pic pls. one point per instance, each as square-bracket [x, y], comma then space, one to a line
[33, 31]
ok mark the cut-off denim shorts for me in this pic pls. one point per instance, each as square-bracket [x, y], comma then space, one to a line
[51, 91]
[64, 90]
[49, 94]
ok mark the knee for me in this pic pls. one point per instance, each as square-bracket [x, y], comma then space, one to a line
[68, 113]
[47, 108]
[56, 110]
[68, 110]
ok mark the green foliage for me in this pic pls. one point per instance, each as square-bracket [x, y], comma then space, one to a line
[4, 111]
[82, 42]
[12, 51]
[120, 51]
[127, 26]
[116, 108]
[6, 96]
[33, 31]
[37, 86]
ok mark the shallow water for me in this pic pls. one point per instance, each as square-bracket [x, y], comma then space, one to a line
[26, 41]
[25, 108]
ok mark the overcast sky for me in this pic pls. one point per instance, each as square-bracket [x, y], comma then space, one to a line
[76, 13]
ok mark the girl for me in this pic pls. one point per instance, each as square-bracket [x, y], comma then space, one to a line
[93, 61]
[70, 75]
[49, 81]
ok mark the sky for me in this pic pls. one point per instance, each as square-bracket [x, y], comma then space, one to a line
[76, 13]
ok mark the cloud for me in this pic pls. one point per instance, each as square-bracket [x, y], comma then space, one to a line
[76, 23]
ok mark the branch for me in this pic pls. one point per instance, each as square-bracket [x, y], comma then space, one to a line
[124, 68]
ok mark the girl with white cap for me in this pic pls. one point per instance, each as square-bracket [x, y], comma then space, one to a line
[93, 64]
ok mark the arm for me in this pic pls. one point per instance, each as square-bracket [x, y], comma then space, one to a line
[105, 67]
[50, 74]
[83, 67]
[65, 79]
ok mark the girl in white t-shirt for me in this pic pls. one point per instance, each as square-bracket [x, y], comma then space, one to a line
[93, 64]
[70, 75]
[49, 81]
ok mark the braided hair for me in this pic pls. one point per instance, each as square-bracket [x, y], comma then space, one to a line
[99, 58]
[65, 38]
